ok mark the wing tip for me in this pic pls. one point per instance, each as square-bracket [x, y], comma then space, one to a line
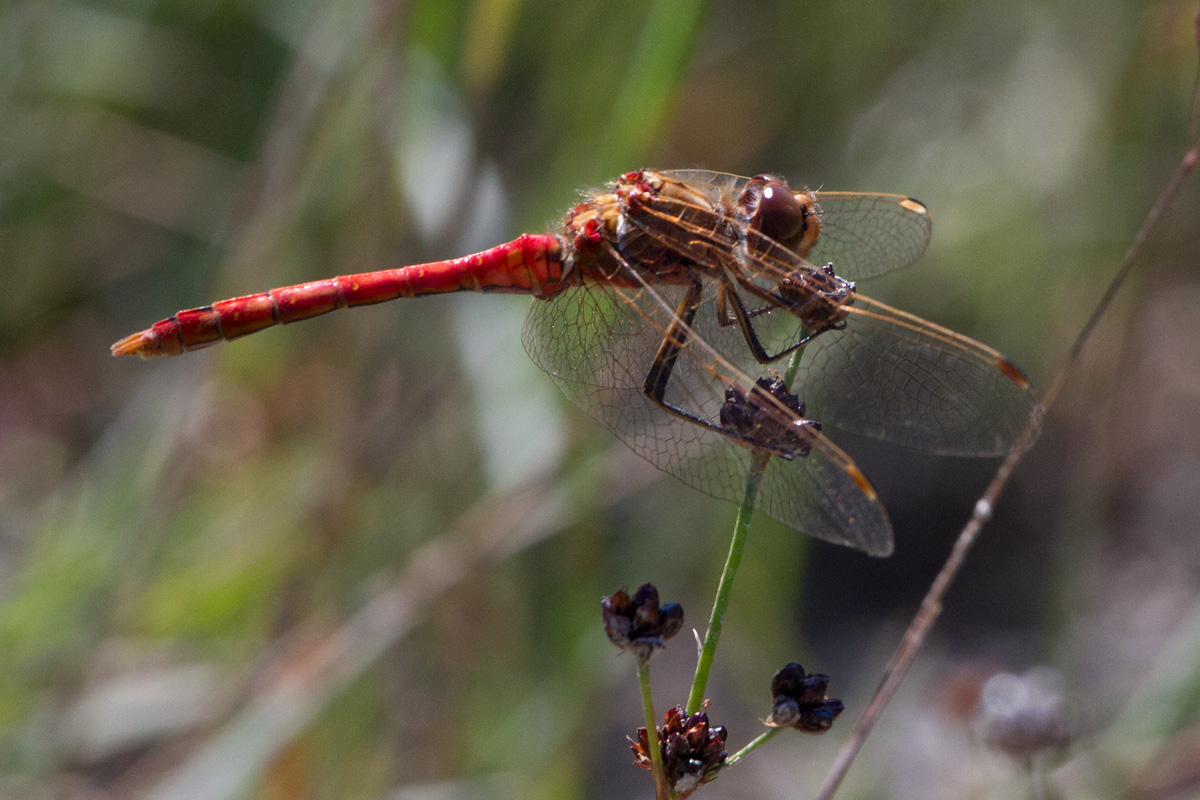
[885, 549]
[915, 206]
[882, 543]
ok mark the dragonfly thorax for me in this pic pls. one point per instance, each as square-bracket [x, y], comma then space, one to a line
[610, 247]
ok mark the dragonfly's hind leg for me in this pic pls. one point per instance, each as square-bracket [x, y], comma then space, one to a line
[674, 340]
[725, 318]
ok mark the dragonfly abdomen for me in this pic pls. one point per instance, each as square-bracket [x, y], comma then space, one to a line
[530, 264]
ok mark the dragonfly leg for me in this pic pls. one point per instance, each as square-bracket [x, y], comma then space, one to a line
[675, 339]
[728, 298]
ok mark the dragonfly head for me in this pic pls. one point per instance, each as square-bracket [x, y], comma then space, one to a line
[789, 218]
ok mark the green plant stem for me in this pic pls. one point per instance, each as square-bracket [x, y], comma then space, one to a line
[741, 529]
[716, 620]
[754, 745]
[661, 792]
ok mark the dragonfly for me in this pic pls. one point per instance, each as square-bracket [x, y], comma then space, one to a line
[665, 306]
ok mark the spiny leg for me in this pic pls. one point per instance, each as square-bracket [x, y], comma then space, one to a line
[674, 340]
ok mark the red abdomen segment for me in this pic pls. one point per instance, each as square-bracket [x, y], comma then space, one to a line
[530, 264]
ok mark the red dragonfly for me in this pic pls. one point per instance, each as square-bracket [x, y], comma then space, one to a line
[660, 308]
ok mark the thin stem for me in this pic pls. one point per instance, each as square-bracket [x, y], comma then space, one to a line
[661, 791]
[931, 606]
[762, 739]
[716, 620]
[741, 529]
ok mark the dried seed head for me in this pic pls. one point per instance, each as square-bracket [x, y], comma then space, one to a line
[798, 701]
[1023, 714]
[692, 750]
[638, 624]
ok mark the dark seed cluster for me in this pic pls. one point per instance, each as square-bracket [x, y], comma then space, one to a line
[799, 701]
[692, 750]
[638, 624]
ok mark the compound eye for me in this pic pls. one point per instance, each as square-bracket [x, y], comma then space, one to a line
[779, 215]
[774, 210]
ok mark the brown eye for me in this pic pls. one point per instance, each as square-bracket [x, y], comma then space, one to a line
[772, 209]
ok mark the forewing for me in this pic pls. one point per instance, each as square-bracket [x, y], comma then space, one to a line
[893, 376]
[718, 185]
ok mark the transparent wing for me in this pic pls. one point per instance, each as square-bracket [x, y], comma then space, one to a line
[716, 185]
[846, 510]
[894, 376]
[592, 337]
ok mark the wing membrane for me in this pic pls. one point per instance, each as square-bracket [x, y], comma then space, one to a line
[896, 377]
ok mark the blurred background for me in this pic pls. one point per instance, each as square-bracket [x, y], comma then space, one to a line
[362, 557]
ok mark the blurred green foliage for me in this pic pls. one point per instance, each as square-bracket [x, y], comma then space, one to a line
[208, 524]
